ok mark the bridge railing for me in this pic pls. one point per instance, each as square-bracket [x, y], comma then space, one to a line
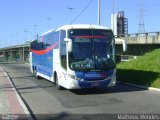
[142, 38]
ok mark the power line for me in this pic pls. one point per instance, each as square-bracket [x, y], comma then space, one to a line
[152, 5]
[82, 11]
[145, 7]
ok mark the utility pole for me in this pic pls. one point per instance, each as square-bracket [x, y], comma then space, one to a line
[99, 16]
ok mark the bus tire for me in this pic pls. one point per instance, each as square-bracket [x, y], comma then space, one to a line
[35, 74]
[56, 82]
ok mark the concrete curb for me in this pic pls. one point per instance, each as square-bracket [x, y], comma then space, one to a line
[19, 98]
[156, 89]
[139, 86]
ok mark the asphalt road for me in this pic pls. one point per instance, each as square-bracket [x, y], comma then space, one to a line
[43, 98]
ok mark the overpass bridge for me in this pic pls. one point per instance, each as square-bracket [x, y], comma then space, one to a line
[14, 53]
[138, 44]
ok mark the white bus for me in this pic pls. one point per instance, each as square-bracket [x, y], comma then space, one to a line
[75, 57]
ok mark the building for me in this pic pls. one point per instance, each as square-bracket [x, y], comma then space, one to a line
[119, 24]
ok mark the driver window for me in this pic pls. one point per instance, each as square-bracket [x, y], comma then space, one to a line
[63, 50]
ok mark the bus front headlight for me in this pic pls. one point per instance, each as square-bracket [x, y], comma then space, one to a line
[74, 77]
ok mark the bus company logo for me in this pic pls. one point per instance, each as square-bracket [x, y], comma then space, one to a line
[95, 75]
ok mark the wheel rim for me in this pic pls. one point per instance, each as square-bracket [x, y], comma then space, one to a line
[57, 84]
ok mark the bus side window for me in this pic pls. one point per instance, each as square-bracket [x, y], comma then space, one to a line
[56, 39]
[33, 45]
[63, 49]
[47, 41]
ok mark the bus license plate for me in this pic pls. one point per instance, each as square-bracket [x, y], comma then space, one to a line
[95, 84]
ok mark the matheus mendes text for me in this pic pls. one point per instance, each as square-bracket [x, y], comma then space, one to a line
[138, 117]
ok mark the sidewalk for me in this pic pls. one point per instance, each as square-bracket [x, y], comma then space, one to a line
[11, 105]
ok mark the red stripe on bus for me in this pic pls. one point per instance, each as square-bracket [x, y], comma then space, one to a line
[41, 52]
[90, 36]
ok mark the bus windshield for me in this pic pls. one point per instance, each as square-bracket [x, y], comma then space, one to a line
[92, 50]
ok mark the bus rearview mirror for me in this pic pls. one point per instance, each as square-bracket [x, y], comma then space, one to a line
[69, 44]
[67, 40]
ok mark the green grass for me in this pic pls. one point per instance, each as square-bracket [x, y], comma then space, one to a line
[144, 70]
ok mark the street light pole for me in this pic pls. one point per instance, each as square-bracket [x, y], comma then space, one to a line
[23, 57]
[25, 36]
[71, 9]
[35, 28]
[113, 16]
[99, 19]
[17, 35]
[49, 22]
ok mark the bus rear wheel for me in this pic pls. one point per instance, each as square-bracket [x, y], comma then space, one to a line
[35, 74]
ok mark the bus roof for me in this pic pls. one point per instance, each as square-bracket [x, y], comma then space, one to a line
[76, 26]
[82, 26]
[52, 30]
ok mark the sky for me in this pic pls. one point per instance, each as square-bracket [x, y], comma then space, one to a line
[21, 20]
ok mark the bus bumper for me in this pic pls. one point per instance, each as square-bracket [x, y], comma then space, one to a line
[91, 84]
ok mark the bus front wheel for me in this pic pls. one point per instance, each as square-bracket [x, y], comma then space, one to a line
[56, 82]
